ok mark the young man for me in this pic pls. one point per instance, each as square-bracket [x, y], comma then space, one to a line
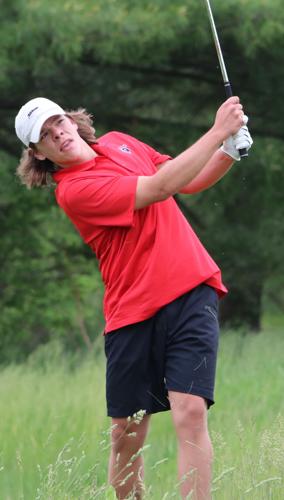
[161, 286]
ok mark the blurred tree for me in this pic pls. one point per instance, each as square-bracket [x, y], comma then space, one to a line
[149, 69]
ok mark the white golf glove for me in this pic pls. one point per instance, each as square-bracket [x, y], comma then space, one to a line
[241, 140]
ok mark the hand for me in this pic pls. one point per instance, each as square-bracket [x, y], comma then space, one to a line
[229, 118]
[241, 140]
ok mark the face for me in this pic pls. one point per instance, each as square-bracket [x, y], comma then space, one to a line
[60, 142]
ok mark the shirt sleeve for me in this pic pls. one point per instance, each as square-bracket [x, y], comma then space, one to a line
[156, 157]
[101, 201]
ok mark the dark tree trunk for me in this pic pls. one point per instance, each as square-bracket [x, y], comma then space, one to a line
[241, 308]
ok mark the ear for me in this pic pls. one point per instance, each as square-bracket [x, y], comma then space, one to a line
[36, 154]
[39, 156]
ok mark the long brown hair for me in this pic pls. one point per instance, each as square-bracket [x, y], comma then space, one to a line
[34, 172]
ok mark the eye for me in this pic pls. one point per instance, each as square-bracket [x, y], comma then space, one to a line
[60, 120]
[43, 135]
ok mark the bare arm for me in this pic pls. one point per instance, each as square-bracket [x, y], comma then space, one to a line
[218, 165]
[181, 171]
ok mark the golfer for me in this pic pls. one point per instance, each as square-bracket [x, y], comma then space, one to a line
[161, 286]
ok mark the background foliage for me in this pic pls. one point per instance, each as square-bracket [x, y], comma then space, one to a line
[150, 69]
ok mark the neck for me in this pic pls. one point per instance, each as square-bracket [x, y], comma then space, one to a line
[86, 154]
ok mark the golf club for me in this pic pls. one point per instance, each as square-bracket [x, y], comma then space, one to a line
[227, 84]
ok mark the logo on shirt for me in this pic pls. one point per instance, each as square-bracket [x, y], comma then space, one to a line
[125, 149]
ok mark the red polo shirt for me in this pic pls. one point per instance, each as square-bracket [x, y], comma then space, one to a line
[147, 257]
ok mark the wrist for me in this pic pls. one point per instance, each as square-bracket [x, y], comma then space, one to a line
[226, 155]
[216, 136]
[229, 149]
[219, 134]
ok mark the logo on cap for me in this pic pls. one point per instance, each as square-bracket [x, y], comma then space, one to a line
[31, 112]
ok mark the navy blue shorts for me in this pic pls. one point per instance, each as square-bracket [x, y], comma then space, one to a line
[174, 350]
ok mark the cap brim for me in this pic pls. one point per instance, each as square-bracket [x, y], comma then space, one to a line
[35, 133]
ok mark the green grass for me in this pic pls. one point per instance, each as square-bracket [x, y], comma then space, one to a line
[55, 436]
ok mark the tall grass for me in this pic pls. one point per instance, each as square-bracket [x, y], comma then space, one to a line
[55, 435]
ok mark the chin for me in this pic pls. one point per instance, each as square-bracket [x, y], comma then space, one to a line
[69, 158]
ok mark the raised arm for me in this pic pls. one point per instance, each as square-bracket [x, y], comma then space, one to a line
[221, 161]
[180, 171]
[218, 165]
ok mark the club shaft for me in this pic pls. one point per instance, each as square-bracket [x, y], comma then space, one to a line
[227, 84]
[217, 43]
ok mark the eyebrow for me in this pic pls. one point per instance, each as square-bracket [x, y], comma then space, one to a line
[52, 120]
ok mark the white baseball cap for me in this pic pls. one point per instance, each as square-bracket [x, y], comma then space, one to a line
[32, 116]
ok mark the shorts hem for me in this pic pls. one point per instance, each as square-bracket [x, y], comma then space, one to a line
[195, 392]
[152, 411]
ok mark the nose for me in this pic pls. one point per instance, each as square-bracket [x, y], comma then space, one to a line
[56, 133]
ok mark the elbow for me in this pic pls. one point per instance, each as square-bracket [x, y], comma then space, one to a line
[164, 184]
[164, 193]
[155, 188]
[150, 191]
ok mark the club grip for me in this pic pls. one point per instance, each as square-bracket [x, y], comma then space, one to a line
[243, 153]
[229, 93]
[228, 90]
